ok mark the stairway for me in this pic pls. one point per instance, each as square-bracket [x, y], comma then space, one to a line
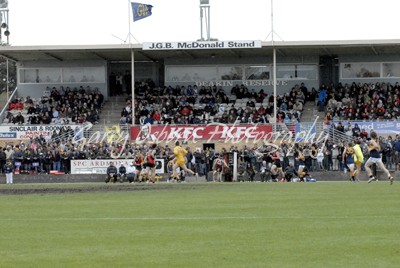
[310, 113]
[111, 111]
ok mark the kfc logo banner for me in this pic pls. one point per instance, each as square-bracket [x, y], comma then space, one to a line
[206, 132]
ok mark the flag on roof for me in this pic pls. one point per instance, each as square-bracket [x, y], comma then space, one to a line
[140, 11]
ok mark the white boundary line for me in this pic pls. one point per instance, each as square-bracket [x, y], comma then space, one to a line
[209, 218]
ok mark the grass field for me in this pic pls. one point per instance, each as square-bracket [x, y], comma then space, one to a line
[203, 225]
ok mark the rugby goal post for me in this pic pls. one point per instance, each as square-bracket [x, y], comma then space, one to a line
[235, 163]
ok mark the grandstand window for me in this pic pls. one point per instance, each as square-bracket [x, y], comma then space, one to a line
[286, 71]
[42, 75]
[257, 72]
[391, 69]
[305, 72]
[62, 75]
[83, 75]
[190, 73]
[360, 70]
[230, 72]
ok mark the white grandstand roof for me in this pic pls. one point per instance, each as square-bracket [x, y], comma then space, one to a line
[122, 52]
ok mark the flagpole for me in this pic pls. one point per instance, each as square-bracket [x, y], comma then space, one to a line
[132, 64]
[129, 21]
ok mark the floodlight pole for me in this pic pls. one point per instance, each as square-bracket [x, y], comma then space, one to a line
[8, 80]
[205, 12]
[273, 62]
[4, 25]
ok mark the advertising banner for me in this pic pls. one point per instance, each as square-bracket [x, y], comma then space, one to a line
[210, 132]
[29, 131]
[380, 127]
[99, 166]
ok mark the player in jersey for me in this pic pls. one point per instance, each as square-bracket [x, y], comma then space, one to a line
[359, 158]
[180, 155]
[151, 163]
[276, 157]
[302, 164]
[375, 158]
[138, 166]
[218, 166]
[348, 158]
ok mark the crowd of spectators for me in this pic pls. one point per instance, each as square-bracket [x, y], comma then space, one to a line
[367, 101]
[61, 106]
[206, 104]
[39, 155]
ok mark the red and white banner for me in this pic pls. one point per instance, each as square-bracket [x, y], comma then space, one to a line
[210, 132]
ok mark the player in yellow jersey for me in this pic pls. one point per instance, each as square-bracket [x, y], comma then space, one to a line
[359, 158]
[180, 156]
[349, 159]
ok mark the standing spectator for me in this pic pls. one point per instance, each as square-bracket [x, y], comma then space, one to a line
[322, 98]
[320, 159]
[8, 170]
[396, 147]
[18, 157]
[128, 82]
[112, 84]
[250, 171]
[356, 131]
[3, 158]
[189, 157]
[200, 162]
[9, 153]
[119, 81]
[328, 156]
[56, 158]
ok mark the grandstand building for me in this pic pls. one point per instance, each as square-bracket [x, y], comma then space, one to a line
[238, 62]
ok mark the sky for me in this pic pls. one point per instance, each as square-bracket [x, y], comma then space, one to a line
[88, 22]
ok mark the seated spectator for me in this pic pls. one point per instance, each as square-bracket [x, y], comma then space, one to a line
[298, 106]
[31, 109]
[19, 119]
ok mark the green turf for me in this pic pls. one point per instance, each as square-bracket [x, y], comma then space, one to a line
[205, 225]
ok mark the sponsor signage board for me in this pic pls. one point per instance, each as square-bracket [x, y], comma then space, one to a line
[99, 166]
[194, 132]
[30, 131]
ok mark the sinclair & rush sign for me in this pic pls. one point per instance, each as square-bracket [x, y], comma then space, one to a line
[210, 132]
[201, 45]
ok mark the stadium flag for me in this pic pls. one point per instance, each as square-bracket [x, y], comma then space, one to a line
[141, 11]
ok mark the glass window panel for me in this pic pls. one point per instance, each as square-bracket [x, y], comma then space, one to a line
[285, 71]
[190, 73]
[391, 69]
[257, 72]
[307, 72]
[84, 75]
[27, 75]
[49, 75]
[230, 72]
[361, 70]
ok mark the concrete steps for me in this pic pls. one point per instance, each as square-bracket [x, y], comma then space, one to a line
[112, 108]
[310, 113]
